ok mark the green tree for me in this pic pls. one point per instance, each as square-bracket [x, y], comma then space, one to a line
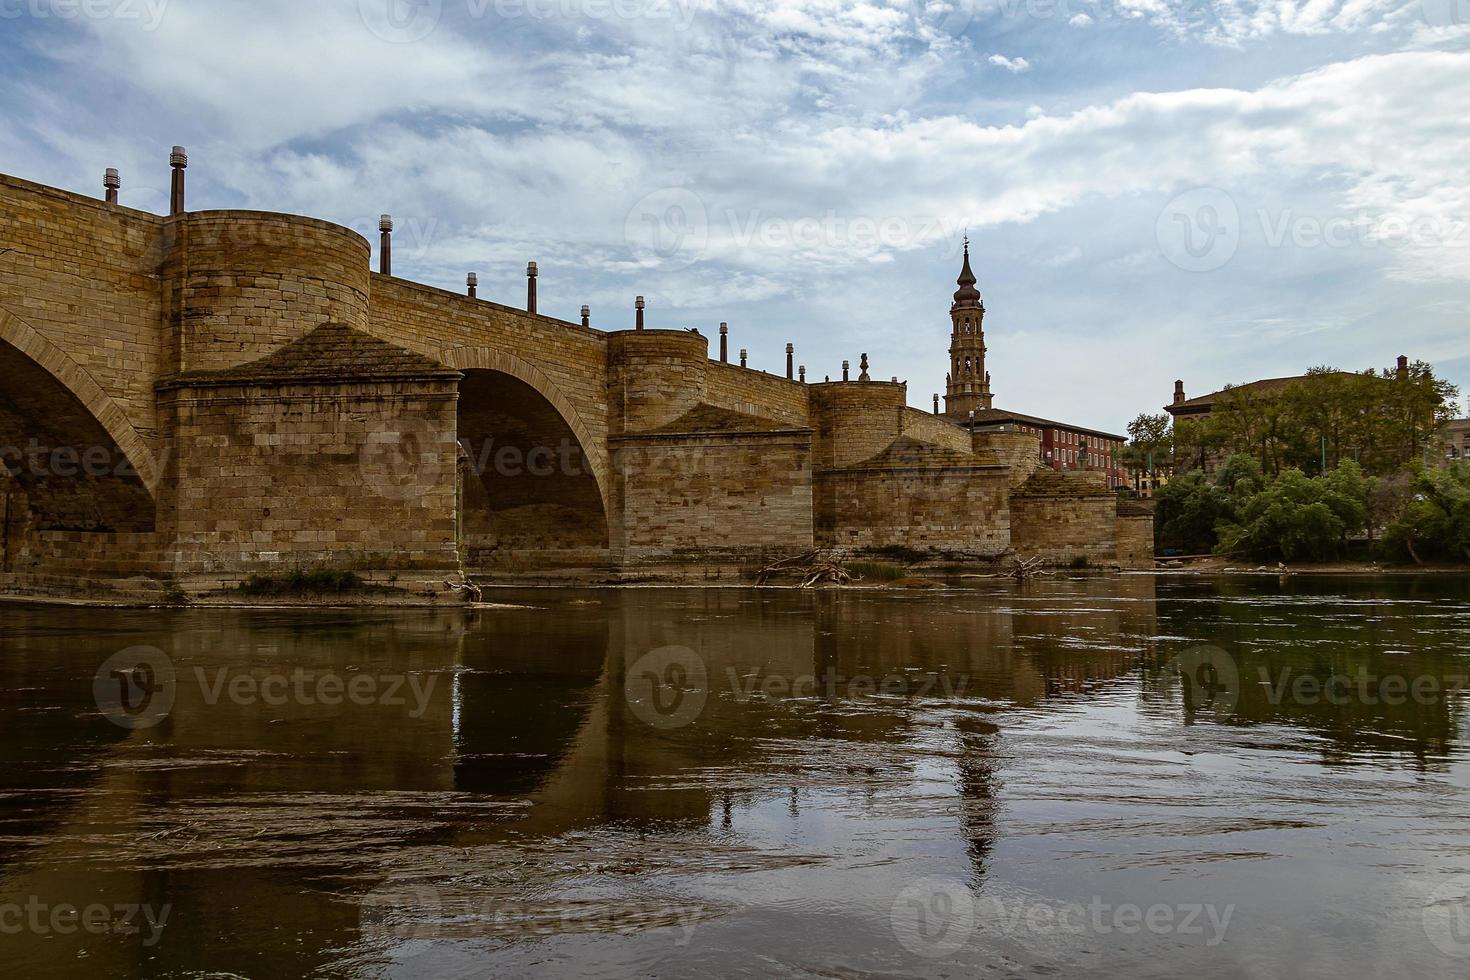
[1188, 508]
[1435, 523]
[1296, 517]
[1384, 420]
[1147, 451]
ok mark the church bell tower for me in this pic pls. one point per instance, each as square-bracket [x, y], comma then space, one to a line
[967, 384]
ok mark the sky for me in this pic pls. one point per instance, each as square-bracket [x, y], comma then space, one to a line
[1209, 190]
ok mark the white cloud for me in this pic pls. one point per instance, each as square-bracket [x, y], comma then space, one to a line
[1013, 65]
[1080, 20]
[835, 148]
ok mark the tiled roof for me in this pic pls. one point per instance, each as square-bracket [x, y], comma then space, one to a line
[1265, 386]
[993, 416]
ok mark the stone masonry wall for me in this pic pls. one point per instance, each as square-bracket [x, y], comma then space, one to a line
[948, 509]
[935, 429]
[854, 421]
[63, 561]
[757, 393]
[564, 362]
[275, 477]
[712, 496]
[1062, 517]
[653, 377]
[252, 475]
[1021, 451]
[240, 284]
[1136, 541]
[80, 278]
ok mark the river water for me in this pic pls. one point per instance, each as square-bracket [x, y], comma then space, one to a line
[1127, 776]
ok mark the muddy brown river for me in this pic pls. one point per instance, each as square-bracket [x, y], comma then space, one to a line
[1127, 776]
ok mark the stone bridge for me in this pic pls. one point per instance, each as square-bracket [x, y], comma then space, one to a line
[193, 399]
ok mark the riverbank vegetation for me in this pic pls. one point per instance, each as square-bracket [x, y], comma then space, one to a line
[1328, 466]
[1419, 516]
[304, 582]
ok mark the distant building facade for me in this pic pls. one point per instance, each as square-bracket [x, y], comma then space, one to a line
[1457, 441]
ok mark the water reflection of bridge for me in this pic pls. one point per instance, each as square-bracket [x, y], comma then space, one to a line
[526, 734]
[277, 819]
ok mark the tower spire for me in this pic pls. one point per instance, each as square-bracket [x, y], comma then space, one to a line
[967, 294]
[967, 384]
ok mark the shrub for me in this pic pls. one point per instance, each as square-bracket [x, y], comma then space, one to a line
[302, 581]
[876, 570]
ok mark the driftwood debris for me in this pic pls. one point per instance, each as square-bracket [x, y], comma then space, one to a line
[1026, 569]
[468, 590]
[1023, 570]
[812, 568]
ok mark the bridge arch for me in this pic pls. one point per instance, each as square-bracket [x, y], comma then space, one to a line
[488, 359]
[533, 488]
[83, 387]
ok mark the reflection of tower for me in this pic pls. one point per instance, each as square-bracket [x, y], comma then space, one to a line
[967, 385]
[979, 791]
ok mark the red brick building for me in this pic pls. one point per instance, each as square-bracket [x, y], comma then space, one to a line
[969, 401]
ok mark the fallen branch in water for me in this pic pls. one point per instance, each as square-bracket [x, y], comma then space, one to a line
[1023, 570]
[812, 568]
[1027, 568]
[468, 590]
